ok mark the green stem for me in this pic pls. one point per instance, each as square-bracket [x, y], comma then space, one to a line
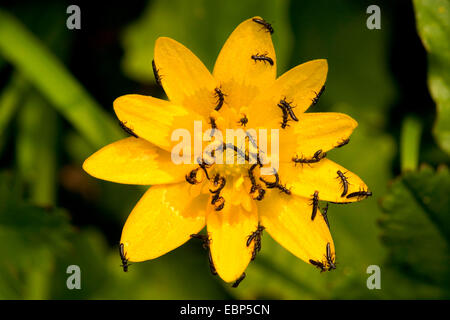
[410, 143]
[9, 102]
[43, 69]
[36, 150]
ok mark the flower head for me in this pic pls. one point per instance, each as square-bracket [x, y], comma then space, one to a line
[236, 201]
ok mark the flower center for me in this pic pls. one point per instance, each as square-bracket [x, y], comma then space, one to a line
[230, 169]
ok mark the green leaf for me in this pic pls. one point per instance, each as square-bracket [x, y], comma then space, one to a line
[87, 250]
[410, 143]
[433, 26]
[36, 149]
[201, 25]
[39, 244]
[10, 99]
[416, 226]
[31, 221]
[43, 69]
[357, 57]
[180, 274]
[29, 236]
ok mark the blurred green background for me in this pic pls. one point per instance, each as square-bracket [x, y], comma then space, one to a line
[56, 92]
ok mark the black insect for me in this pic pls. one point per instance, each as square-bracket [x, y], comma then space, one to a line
[344, 182]
[341, 202]
[213, 124]
[324, 215]
[261, 192]
[285, 115]
[256, 237]
[202, 237]
[127, 130]
[218, 181]
[271, 185]
[251, 175]
[283, 188]
[192, 176]
[289, 108]
[265, 24]
[203, 165]
[156, 73]
[316, 98]
[125, 264]
[238, 281]
[330, 258]
[317, 264]
[262, 57]
[211, 264]
[243, 121]
[315, 204]
[220, 98]
[360, 194]
[254, 155]
[218, 201]
[319, 155]
[255, 186]
[343, 143]
[206, 246]
[238, 151]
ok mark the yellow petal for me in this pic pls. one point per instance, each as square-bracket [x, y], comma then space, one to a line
[135, 161]
[314, 131]
[154, 119]
[229, 230]
[322, 176]
[299, 86]
[185, 79]
[162, 220]
[288, 221]
[241, 77]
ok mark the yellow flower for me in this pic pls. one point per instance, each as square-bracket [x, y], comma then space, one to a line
[232, 200]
